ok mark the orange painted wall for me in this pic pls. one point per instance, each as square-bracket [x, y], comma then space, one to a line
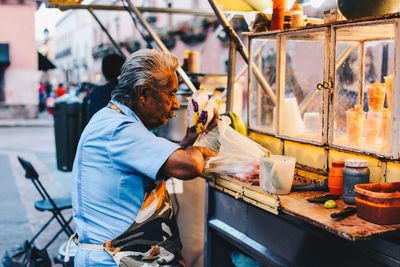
[17, 28]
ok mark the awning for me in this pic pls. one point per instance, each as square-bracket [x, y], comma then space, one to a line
[44, 63]
[4, 55]
[245, 5]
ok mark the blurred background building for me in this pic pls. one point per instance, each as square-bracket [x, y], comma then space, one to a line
[19, 74]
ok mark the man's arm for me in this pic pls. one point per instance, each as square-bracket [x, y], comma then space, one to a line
[186, 164]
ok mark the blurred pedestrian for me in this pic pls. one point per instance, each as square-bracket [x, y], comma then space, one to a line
[101, 94]
[61, 90]
[48, 88]
[42, 97]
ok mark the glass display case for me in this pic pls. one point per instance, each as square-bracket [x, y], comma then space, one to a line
[296, 62]
[362, 102]
[301, 104]
[262, 103]
[334, 85]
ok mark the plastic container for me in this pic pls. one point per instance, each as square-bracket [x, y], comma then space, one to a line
[194, 62]
[277, 15]
[354, 172]
[355, 119]
[373, 124]
[335, 178]
[297, 19]
[385, 126]
[388, 85]
[378, 203]
[293, 125]
[312, 123]
[376, 96]
[277, 173]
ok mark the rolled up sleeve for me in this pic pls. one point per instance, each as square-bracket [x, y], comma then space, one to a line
[135, 149]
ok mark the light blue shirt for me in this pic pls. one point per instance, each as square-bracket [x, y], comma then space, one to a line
[115, 158]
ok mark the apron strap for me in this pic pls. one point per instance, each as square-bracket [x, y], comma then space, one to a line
[83, 246]
[91, 247]
[66, 257]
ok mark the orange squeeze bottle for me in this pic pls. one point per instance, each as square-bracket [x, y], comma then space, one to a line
[278, 15]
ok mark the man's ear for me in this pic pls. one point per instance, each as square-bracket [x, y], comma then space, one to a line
[142, 94]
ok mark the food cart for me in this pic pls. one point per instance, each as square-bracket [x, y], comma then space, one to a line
[287, 230]
[308, 121]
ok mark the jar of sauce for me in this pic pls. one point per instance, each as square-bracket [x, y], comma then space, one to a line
[355, 172]
[335, 178]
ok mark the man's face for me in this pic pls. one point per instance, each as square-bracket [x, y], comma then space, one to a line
[162, 104]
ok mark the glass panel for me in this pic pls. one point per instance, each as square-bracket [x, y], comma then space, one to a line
[262, 111]
[303, 103]
[363, 88]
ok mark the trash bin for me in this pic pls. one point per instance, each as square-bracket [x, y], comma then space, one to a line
[67, 129]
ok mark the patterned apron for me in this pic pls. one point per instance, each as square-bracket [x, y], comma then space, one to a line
[153, 238]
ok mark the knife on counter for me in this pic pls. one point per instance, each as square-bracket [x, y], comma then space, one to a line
[344, 213]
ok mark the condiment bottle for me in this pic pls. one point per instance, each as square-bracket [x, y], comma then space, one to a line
[185, 65]
[335, 178]
[354, 172]
[297, 16]
[277, 15]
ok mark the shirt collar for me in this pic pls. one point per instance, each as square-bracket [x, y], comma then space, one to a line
[127, 111]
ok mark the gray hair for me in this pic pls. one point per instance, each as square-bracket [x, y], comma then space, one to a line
[147, 68]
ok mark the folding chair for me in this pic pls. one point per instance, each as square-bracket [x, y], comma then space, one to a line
[53, 205]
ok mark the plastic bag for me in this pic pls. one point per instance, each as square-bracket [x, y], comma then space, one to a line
[238, 156]
[26, 255]
[201, 110]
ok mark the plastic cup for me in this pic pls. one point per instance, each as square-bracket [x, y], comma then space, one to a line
[312, 123]
[388, 85]
[276, 174]
[373, 125]
[376, 96]
[385, 125]
[293, 125]
[355, 125]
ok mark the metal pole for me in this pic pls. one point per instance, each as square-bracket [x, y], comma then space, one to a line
[179, 11]
[243, 70]
[242, 49]
[107, 33]
[228, 29]
[231, 76]
[158, 41]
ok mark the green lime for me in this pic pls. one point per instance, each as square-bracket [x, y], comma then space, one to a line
[330, 204]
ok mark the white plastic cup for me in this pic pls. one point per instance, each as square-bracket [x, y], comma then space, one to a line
[293, 125]
[312, 123]
[277, 173]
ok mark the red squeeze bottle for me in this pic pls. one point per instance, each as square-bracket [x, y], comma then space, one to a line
[278, 15]
[335, 178]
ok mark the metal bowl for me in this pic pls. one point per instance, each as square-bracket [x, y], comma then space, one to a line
[354, 9]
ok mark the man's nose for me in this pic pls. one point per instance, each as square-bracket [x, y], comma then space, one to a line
[175, 104]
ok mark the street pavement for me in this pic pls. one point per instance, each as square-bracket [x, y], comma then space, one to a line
[19, 220]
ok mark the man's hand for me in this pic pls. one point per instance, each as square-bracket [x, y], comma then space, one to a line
[190, 137]
[207, 153]
[191, 133]
[186, 164]
[213, 123]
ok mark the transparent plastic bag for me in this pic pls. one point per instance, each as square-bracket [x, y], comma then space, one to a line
[238, 156]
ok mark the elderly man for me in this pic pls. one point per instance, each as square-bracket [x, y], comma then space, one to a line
[121, 207]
